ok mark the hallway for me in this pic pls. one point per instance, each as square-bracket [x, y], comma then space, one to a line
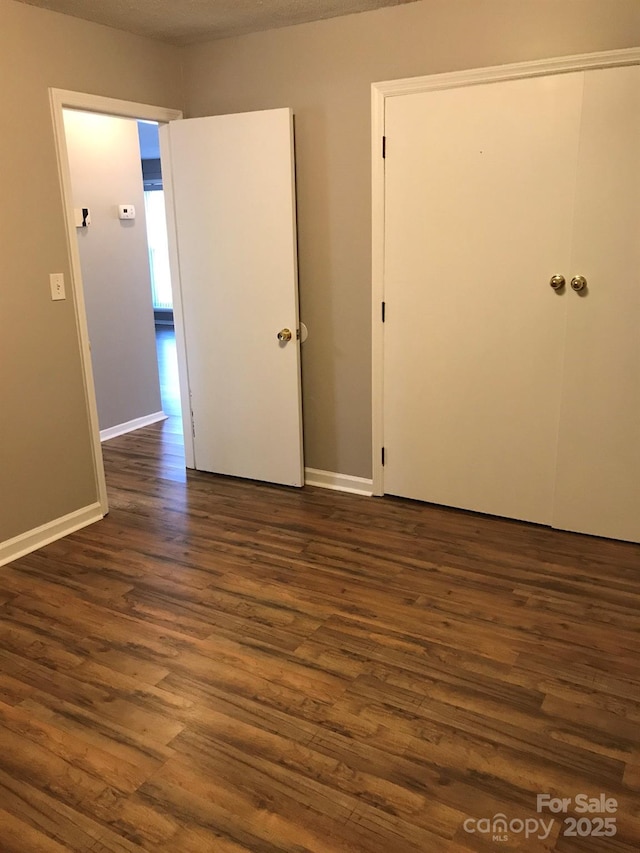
[173, 463]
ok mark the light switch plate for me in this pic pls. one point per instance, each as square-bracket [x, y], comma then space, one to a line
[56, 282]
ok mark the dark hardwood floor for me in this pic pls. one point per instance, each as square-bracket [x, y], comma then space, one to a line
[226, 666]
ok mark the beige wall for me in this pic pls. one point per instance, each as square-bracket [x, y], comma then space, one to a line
[105, 166]
[324, 71]
[46, 468]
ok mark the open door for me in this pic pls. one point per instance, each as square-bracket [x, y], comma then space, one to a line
[229, 187]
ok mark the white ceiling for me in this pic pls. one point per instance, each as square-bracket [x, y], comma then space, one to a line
[190, 21]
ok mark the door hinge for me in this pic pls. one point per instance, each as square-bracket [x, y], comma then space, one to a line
[384, 147]
[383, 456]
[384, 311]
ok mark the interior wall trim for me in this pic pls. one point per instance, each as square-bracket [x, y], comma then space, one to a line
[30, 541]
[338, 482]
[130, 426]
[512, 71]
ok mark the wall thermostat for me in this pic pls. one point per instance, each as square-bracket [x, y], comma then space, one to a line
[126, 211]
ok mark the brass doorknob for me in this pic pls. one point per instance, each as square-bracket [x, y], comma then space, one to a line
[284, 335]
[557, 282]
[578, 283]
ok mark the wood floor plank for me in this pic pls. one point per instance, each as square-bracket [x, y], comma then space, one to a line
[49, 817]
[18, 836]
[41, 768]
[72, 749]
[125, 744]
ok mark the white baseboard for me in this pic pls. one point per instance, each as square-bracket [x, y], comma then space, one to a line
[338, 482]
[129, 426]
[30, 541]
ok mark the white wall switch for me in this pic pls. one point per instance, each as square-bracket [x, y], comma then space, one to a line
[126, 211]
[82, 217]
[56, 281]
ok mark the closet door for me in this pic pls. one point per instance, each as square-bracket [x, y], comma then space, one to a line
[479, 193]
[598, 472]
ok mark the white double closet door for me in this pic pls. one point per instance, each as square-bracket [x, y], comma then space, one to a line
[502, 395]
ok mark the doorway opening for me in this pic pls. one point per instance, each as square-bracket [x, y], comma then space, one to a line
[160, 273]
[62, 100]
[125, 266]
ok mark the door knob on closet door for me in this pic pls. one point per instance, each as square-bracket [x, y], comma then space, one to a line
[578, 283]
[284, 335]
[557, 282]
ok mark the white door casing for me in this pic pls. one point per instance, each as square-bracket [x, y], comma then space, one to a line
[229, 182]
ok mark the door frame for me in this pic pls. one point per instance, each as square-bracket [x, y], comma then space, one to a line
[61, 99]
[407, 86]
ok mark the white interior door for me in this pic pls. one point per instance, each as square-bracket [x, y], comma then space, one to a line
[231, 199]
[479, 191]
[598, 479]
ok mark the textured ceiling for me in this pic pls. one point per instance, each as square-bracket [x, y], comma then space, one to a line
[190, 21]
